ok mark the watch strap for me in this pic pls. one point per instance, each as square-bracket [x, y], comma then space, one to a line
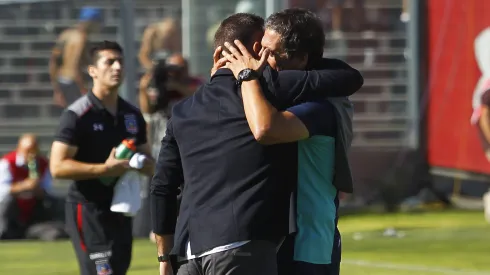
[245, 75]
[164, 258]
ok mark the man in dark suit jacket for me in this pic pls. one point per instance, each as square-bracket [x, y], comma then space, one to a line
[322, 130]
[236, 196]
[296, 38]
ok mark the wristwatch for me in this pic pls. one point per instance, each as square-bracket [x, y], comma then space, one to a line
[164, 258]
[245, 75]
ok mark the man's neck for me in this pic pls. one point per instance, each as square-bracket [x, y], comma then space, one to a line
[107, 97]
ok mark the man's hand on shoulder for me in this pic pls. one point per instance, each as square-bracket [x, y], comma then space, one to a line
[240, 59]
[218, 62]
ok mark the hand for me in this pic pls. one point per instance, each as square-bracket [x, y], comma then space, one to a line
[241, 59]
[116, 167]
[166, 268]
[146, 79]
[31, 184]
[218, 63]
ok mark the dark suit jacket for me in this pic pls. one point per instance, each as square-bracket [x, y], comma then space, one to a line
[235, 188]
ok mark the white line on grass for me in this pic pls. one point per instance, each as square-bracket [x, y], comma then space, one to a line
[386, 265]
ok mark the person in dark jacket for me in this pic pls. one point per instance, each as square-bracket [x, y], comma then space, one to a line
[236, 197]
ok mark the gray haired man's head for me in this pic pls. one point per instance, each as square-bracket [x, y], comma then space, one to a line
[295, 37]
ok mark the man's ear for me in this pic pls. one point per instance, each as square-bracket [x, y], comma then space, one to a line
[91, 70]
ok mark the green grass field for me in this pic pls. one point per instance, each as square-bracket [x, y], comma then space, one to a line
[443, 242]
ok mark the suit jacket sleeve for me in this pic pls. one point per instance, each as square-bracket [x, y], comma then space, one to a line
[333, 78]
[164, 185]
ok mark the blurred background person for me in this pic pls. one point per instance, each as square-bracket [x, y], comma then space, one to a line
[69, 56]
[160, 40]
[25, 176]
[481, 94]
[160, 89]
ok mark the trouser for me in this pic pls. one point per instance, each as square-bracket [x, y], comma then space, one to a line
[304, 268]
[285, 256]
[70, 89]
[102, 239]
[287, 266]
[15, 228]
[255, 257]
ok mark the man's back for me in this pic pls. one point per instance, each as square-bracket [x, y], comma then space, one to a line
[236, 189]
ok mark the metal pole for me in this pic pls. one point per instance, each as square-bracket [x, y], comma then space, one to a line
[186, 28]
[413, 63]
[126, 38]
[270, 7]
[190, 15]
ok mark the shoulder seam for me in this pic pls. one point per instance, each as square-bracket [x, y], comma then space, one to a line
[81, 106]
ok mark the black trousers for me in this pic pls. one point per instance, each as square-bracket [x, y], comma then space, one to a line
[287, 266]
[255, 257]
[102, 239]
[303, 268]
[70, 91]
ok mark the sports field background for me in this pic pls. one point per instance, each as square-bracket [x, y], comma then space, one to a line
[442, 242]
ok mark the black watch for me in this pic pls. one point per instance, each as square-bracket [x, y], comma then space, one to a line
[246, 75]
[164, 258]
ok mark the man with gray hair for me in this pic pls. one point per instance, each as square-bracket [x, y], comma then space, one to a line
[293, 39]
[236, 195]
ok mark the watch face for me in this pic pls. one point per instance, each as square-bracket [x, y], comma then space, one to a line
[245, 74]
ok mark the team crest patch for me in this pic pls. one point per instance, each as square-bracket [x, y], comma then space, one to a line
[131, 124]
[103, 268]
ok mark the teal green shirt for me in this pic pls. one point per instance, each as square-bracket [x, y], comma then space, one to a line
[316, 212]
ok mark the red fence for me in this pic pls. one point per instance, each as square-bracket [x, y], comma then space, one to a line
[455, 69]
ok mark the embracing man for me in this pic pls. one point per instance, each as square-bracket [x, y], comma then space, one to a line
[235, 205]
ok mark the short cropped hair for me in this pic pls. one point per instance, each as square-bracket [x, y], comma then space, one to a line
[103, 46]
[241, 26]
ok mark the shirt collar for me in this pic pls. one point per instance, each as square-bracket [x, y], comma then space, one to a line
[97, 104]
[222, 72]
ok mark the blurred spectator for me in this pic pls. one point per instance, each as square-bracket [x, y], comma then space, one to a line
[166, 84]
[180, 80]
[70, 56]
[160, 89]
[160, 40]
[25, 180]
[481, 94]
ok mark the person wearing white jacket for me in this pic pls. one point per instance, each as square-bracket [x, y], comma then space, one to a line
[481, 94]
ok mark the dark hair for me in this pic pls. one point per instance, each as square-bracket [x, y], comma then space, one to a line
[301, 33]
[103, 46]
[241, 26]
